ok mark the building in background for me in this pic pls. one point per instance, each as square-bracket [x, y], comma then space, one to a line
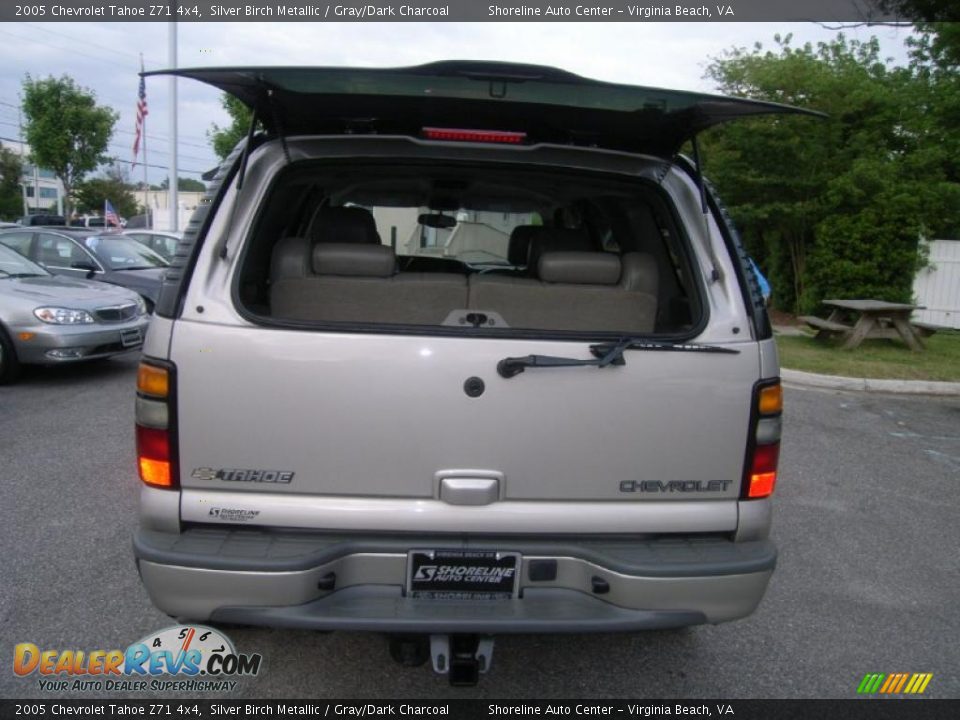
[158, 202]
[42, 191]
[936, 288]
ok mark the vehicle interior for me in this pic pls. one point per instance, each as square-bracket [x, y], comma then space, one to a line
[493, 248]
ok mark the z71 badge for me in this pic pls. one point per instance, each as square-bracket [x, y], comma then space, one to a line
[241, 475]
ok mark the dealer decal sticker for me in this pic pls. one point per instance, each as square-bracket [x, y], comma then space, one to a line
[200, 658]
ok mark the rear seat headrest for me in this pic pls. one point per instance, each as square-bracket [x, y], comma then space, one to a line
[518, 248]
[352, 260]
[344, 225]
[555, 239]
[579, 268]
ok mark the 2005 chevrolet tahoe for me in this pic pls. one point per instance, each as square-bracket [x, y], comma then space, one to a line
[458, 350]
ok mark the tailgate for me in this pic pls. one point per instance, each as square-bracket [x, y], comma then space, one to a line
[316, 414]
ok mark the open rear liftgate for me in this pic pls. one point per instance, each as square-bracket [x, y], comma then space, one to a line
[461, 657]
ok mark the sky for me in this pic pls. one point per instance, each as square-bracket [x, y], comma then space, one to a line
[105, 58]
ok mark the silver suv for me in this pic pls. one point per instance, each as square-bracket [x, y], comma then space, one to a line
[458, 350]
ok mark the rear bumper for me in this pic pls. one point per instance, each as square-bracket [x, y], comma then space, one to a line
[275, 579]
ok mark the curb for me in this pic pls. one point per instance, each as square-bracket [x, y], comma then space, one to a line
[900, 387]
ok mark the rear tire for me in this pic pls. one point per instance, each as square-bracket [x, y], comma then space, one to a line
[9, 364]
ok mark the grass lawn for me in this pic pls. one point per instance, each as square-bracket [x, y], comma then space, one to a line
[875, 358]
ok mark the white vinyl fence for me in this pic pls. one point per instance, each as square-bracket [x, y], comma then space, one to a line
[937, 287]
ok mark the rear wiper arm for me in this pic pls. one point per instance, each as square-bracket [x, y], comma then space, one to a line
[510, 366]
[607, 355]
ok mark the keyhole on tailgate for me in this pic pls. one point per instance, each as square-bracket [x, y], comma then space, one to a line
[474, 387]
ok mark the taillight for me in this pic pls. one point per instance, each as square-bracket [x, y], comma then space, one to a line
[760, 469]
[156, 455]
[481, 136]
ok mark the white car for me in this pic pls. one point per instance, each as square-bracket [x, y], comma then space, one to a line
[164, 243]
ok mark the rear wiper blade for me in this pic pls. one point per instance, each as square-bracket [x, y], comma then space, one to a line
[655, 345]
[606, 355]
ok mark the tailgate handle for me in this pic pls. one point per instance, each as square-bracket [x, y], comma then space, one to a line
[469, 488]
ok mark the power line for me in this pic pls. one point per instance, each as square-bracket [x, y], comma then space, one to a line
[160, 167]
[159, 138]
[164, 138]
[74, 51]
[128, 162]
[86, 42]
[116, 144]
[113, 145]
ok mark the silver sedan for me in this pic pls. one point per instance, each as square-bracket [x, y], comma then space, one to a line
[48, 320]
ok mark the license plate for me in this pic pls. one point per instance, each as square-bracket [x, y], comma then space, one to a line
[463, 574]
[131, 338]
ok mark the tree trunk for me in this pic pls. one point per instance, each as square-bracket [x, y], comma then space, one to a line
[67, 204]
[798, 263]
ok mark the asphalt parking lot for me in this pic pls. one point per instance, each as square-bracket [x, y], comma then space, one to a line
[868, 577]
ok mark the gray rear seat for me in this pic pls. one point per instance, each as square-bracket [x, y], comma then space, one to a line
[581, 291]
[351, 282]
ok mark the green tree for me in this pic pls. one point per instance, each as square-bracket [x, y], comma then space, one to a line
[66, 129]
[185, 184]
[834, 207]
[935, 19]
[91, 194]
[11, 198]
[224, 139]
[189, 185]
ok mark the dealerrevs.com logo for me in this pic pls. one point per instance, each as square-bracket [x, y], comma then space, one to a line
[202, 658]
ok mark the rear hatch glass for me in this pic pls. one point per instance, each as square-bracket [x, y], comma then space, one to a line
[463, 248]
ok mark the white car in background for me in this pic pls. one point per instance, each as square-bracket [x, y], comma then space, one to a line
[164, 243]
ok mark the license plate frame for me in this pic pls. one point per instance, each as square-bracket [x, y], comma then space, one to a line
[131, 338]
[471, 574]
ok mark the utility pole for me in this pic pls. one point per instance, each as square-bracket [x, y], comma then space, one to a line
[174, 201]
[23, 155]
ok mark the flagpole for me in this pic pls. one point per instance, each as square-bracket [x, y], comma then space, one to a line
[146, 182]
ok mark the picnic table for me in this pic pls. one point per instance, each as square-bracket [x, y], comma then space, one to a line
[874, 319]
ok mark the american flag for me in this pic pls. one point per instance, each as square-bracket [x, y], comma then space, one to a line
[141, 114]
[110, 215]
